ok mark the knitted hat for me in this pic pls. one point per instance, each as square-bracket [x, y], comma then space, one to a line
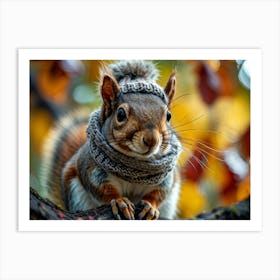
[137, 76]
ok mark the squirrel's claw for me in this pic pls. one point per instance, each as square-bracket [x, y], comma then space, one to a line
[125, 206]
[148, 212]
[115, 209]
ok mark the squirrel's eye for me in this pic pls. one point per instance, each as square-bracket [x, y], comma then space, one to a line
[121, 115]
[168, 116]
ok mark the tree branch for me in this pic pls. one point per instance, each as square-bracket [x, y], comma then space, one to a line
[43, 209]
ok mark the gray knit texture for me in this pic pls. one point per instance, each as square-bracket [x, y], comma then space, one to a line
[146, 172]
[137, 76]
[130, 70]
[144, 87]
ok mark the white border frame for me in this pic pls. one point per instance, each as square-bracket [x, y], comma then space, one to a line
[253, 55]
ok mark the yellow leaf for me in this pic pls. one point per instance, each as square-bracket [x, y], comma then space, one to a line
[40, 123]
[231, 117]
[243, 190]
[192, 201]
[190, 119]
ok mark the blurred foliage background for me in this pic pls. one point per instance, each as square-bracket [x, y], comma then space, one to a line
[210, 112]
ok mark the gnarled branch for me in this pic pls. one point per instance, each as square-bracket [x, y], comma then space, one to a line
[44, 209]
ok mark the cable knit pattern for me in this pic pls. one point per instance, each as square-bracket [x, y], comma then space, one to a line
[144, 87]
[146, 172]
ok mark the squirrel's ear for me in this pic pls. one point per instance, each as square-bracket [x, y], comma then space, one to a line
[109, 90]
[170, 87]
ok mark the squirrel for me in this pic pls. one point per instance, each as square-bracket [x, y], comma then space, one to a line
[123, 154]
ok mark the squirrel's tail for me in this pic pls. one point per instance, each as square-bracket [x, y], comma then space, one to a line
[63, 141]
[130, 70]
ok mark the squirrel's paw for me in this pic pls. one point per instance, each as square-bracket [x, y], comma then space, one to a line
[149, 212]
[125, 206]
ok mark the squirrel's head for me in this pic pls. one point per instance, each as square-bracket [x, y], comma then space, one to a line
[135, 123]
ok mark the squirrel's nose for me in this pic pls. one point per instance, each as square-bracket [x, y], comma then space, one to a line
[150, 139]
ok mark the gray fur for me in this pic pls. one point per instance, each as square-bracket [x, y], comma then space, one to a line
[167, 182]
[80, 199]
[168, 209]
[99, 176]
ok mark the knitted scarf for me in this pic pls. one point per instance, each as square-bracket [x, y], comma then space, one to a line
[146, 172]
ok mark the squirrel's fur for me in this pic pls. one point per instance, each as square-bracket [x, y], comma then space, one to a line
[135, 125]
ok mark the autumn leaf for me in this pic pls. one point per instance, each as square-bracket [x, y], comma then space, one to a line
[208, 83]
[192, 201]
